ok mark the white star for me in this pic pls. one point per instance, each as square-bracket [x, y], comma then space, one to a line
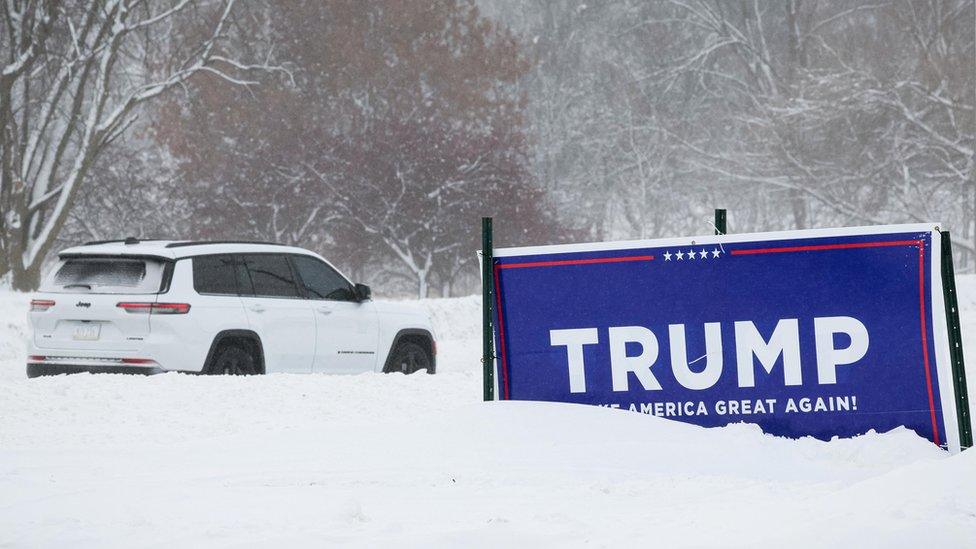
[716, 253]
[703, 254]
[681, 255]
[691, 254]
[667, 256]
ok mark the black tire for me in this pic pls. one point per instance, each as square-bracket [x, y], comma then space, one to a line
[409, 357]
[236, 360]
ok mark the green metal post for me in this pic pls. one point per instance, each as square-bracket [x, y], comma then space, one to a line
[720, 222]
[955, 344]
[487, 299]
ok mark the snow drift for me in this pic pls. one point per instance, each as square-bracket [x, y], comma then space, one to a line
[391, 460]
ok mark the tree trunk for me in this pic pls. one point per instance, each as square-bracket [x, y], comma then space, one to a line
[798, 62]
[421, 284]
[799, 205]
[25, 280]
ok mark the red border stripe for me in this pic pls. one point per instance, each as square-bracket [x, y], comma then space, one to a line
[820, 247]
[501, 332]
[925, 342]
[576, 262]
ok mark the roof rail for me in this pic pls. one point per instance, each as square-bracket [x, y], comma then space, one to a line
[205, 242]
[126, 240]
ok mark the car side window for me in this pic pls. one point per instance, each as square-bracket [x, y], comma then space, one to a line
[214, 274]
[321, 281]
[271, 276]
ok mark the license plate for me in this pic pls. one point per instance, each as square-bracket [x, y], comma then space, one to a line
[87, 332]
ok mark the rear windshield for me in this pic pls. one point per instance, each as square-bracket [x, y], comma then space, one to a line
[106, 275]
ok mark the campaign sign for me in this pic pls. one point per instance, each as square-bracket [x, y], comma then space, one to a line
[806, 333]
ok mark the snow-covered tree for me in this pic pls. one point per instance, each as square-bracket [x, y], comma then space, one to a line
[133, 189]
[73, 76]
[792, 114]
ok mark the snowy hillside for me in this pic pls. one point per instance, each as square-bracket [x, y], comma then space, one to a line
[418, 461]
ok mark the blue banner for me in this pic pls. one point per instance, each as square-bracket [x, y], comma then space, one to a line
[802, 334]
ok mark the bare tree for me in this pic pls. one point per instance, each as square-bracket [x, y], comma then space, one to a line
[383, 151]
[794, 113]
[72, 81]
[132, 190]
[417, 190]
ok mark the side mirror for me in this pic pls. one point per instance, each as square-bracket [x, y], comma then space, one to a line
[363, 293]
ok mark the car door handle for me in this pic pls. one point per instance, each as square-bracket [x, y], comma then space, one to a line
[325, 311]
[257, 308]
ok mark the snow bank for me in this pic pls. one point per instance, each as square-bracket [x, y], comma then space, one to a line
[391, 460]
[457, 322]
[14, 332]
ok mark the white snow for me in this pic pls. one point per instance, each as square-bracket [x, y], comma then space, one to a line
[418, 461]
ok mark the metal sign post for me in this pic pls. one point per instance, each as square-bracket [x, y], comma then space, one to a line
[955, 344]
[487, 295]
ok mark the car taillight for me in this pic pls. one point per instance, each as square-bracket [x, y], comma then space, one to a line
[170, 308]
[155, 308]
[41, 305]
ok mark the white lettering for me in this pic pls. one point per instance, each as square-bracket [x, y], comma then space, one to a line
[829, 357]
[713, 357]
[785, 341]
[783, 346]
[639, 365]
[574, 340]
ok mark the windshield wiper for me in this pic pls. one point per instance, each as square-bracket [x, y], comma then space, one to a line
[87, 286]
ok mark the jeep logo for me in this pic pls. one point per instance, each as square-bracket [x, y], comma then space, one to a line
[83, 304]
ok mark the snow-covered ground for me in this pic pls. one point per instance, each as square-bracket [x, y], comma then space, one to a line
[389, 461]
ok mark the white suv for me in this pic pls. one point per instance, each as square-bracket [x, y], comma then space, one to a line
[216, 308]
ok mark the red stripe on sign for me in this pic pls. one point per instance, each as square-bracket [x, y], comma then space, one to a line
[820, 247]
[501, 333]
[925, 342]
[576, 262]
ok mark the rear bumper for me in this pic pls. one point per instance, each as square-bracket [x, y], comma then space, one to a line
[40, 369]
